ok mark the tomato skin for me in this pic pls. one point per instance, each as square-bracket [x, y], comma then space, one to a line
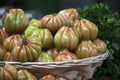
[86, 49]
[86, 29]
[53, 52]
[8, 57]
[2, 52]
[15, 21]
[25, 75]
[66, 37]
[36, 30]
[65, 55]
[27, 50]
[100, 45]
[3, 35]
[33, 25]
[55, 22]
[48, 77]
[44, 57]
[11, 41]
[71, 12]
[8, 72]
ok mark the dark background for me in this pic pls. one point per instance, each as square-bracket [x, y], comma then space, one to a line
[43, 7]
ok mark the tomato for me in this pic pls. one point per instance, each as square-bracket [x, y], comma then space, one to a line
[86, 49]
[8, 72]
[86, 29]
[66, 37]
[3, 35]
[55, 22]
[8, 57]
[34, 29]
[53, 52]
[2, 52]
[15, 21]
[44, 57]
[71, 12]
[11, 41]
[100, 45]
[27, 50]
[48, 77]
[25, 75]
[65, 55]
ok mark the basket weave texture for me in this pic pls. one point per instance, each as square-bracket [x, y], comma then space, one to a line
[82, 69]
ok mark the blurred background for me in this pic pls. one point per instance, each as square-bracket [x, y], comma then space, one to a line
[39, 8]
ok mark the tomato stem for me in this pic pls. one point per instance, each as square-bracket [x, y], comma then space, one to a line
[24, 41]
[62, 49]
[54, 14]
[2, 64]
[68, 25]
[41, 27]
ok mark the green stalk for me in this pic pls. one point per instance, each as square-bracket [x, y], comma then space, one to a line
[24, 41]
[2, 64]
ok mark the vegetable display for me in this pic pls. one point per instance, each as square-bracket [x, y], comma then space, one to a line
[42, 40]
[67, 35]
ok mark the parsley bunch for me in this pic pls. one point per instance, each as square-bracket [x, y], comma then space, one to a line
[109, 31]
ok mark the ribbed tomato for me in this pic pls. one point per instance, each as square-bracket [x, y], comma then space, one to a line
[86, 29]
[48, 77]
[2, 52]
[11, 41]
[44, 57]
[86, 49]
[60, 78]
[15, 21]
[71, 12]
[3, 34]
[34, 29]
[66, 37]
[65, 55]
[8, 72]
[55, 22]
[25, 75]
[53, 52]
[27, 50]
[8, 57]
[100, 45]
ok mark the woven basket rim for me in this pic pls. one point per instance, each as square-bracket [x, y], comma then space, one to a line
[85, 61]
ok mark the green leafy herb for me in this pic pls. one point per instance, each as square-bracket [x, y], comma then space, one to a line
[109, 30]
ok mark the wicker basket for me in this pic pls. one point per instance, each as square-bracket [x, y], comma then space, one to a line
[82, 69]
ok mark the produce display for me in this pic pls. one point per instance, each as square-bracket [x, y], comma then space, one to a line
[54, 38]
[27, 40]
